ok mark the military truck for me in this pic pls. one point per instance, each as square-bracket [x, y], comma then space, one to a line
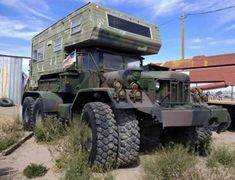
[90, 63]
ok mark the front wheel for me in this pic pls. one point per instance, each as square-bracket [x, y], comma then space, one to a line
[225, 125]
[196, 138]
[203, 140]
[102, 145]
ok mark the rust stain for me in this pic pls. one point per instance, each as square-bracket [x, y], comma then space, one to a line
[205, 63]
[4, 81]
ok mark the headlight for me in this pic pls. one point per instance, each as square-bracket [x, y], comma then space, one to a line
[117, 85]
[157, 85]
[138, 94]
[134, 86]
[122, 93]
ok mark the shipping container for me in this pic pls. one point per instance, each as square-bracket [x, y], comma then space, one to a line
[12, 78]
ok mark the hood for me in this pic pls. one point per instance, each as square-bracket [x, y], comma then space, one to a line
[165, 75]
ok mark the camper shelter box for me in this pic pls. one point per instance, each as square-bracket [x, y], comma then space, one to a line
[90, 26]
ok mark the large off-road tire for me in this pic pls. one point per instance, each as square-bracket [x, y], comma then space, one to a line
[104, 140]
[38, 113]
[203, 140]
[129, 138]
[27, 113]
[224, 126]
[196, 138]
[221, 127]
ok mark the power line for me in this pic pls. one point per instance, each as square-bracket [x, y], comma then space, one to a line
[169, 21]
[194, 14]
[211, 11]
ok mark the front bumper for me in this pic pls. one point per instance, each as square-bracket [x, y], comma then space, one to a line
[185, 117]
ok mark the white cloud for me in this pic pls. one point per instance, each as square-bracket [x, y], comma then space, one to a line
[176, 7]
[232, 27]
[201, 40]
[193, 47]
[36, 8]
[19, 29]
[209, 41]
[223, 42]
[166, 7]
[12, 49]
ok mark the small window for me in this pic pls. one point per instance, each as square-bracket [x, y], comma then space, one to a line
[58, 44]
[76, 25]
[38, 54]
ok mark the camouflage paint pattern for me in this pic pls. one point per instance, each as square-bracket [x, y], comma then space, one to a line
[95, 31]
[49, 80]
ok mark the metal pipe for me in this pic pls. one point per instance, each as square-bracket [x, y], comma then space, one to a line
[211, 86]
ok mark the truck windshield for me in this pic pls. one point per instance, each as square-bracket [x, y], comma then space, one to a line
[114, 62]
[118, 62]
[132, 63]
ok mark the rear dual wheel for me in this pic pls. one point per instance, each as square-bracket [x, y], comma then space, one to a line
[32, 112]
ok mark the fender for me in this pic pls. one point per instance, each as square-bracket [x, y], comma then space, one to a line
[106, 95]
[50, 100]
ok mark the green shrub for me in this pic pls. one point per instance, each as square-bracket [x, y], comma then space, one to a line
[10, 133]
[50, 129]
[221, 155]
[74, 157]
[35, 170]
[77, 167]
[168, 163]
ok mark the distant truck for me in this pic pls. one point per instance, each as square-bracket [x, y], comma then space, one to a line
[90, 63]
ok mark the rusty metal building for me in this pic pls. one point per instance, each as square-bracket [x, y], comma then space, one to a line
[12, 77]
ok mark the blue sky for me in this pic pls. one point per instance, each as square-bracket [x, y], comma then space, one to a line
[206, 34]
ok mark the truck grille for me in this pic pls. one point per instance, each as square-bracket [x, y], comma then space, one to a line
[178, 92]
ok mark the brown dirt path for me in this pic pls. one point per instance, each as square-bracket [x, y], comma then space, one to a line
[30, 152]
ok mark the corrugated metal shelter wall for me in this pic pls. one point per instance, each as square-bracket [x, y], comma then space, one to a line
[11, 78]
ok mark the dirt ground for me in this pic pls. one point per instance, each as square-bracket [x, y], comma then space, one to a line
[9, 113]
[11, 167]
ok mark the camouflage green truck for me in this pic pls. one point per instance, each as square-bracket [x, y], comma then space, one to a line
[90, 63]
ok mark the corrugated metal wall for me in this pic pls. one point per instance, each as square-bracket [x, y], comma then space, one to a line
[11, 77]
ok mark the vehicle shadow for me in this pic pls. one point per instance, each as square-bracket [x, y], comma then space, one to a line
[6, 171]
[232, 126]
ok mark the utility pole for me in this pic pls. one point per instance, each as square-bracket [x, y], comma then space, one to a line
[182, 35]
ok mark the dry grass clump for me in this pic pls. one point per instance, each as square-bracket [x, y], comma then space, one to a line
[10, 133]
[168, 163]
[74, 157]
[49, 130]
[176, 163]
[221, 155]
